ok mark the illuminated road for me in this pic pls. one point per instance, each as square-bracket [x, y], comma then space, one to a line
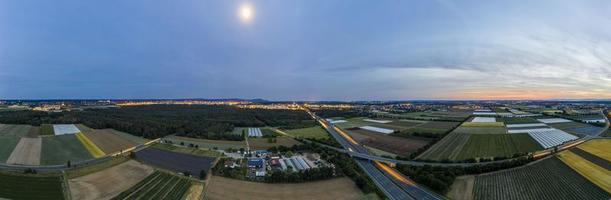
[390, 181]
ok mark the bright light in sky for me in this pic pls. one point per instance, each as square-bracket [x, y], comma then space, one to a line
[246, 12]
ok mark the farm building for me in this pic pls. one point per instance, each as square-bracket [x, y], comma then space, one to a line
[255, 163]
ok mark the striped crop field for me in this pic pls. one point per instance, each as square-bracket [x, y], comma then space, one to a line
[95, 151]
[549, 179]
[447, 148]
[593, 172]
[497, 145]
[158, 185]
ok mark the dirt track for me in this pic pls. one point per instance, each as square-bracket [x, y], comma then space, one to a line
[108, 183]
[225, 188]
[27, 152]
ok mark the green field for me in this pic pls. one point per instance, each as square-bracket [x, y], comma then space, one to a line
[158, 185]
[432, 115]
[568, 125]
[15, 130]
[15, 186]
[497, 145]
[187, 150]
[517, 120]
[82, 171]
[447, 148]
[58, 150]
[7, 144]
[207, 144]
[46, 129]
[130, 137]
[432, 127]
[481, 130]
[312, 132]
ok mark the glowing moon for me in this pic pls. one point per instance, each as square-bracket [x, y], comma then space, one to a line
[246, 12]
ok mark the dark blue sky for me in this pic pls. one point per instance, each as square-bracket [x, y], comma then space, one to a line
[306, 49]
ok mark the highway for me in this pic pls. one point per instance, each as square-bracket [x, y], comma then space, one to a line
[394, 184]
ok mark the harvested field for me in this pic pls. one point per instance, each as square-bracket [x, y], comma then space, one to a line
[195, 192]
[109, 182]
[549, 179]
[447, 148]
[107, 141]
[7, 144]
[46, 129]
[605, 164]
[27, 152]
[481, 130]
[177, 162]
[596, 174]
[598, 147]
[312, 132]
[397, 145]
[359, 121]
[209, 144]
[89, 169]
[338, 188]
[158, 185]
[462, 188]
[15, 130]
[497, 145]
[39, 187]
[433, 127]
[60, 149]
[263, 143]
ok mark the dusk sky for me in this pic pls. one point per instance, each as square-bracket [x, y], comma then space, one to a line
[305, 50]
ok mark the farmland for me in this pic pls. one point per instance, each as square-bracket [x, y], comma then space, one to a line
[598, 147]
[517, 120]
[338, 188]
[480, 130]
[46, 129]
[15, 130]
[106, 140]
[27, 152]
[109, 182]
[187, 150]
[264, 144]
[447, 148]
[14, 186]
[173, 161]
[7, 144]
[495, 145]
[396, 145]
[548, 179]
[591, 171]
[158, 185]
[127, 136]
[432, 127]
[57, 150]
[94, 150]
[209, 144]
[312, 132]
[456, 116]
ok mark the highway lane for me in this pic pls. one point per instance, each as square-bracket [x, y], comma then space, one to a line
[390, 181]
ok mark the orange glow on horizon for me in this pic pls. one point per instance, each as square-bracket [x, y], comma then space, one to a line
[494, 94]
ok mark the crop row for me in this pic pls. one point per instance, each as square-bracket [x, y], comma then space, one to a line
[158, 186]
[548, 179]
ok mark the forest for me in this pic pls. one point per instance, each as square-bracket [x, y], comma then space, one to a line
[154, 121]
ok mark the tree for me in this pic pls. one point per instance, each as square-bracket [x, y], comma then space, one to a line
[202, 174]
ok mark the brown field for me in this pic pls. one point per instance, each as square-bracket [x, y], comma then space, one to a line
[263, 144]
[397, 145]
[109, 182]
[106, 140]
[225, 188]
[462, 188]
[27, 152]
